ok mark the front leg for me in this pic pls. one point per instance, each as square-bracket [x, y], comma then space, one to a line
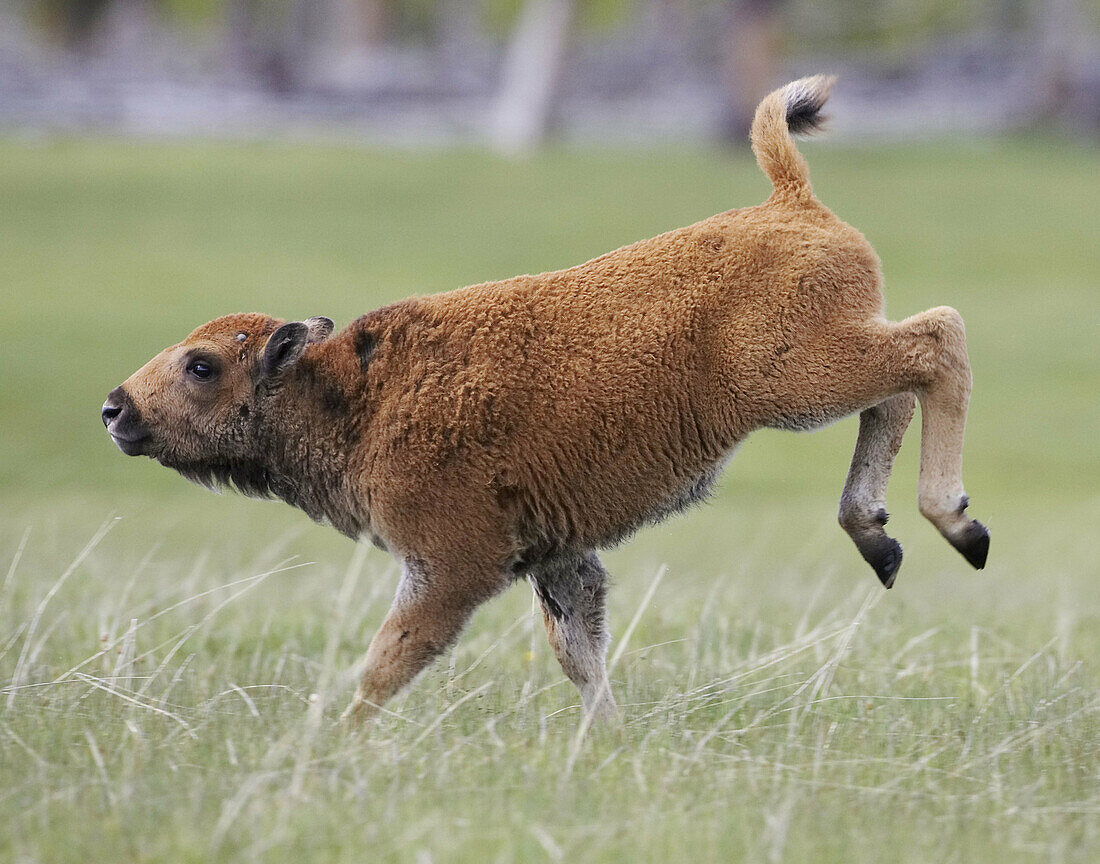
[432, 604]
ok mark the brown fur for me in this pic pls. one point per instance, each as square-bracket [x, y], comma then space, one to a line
[511, 428]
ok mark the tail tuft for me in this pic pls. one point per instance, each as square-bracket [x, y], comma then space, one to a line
[793, 109]
[805, 99]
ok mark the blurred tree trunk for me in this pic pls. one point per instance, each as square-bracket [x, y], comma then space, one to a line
[1056, 25]
[351, 36]
[460, 30]
[270, 45]
[118, 29]
[531, 75]
[240, 31]
[358, 24]
[129, 37]
[302, 37]
[750, 61]
[74, 21]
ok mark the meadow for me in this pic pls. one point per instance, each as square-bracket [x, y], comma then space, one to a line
[172, 663]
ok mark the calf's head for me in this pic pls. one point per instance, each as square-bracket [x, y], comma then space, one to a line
[196, 403]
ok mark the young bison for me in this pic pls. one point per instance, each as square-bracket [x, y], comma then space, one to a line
[512, 428]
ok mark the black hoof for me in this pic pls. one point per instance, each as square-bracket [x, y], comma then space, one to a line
[884, 555]
[973, 545]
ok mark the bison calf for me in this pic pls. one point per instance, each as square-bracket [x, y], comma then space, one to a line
[512, 428]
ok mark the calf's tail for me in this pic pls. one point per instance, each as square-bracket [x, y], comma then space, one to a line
[794, 108]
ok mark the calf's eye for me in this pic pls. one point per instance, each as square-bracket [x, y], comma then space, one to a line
[200, 370]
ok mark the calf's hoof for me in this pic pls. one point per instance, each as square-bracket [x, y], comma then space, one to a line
[356, 715]
[973, 544]
[883, 553]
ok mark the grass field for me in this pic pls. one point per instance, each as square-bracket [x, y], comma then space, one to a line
[172, 663]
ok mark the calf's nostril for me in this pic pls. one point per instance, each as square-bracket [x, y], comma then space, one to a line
[110, 412]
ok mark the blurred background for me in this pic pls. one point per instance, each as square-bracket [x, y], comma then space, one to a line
[512, 73]
[163, 162]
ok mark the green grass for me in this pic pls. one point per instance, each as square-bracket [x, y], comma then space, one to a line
[172, 696]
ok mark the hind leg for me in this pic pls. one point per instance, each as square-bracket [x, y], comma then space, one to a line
[944, 393]
[863, 502]
[572, 591]
[926, 354]
[859, 366]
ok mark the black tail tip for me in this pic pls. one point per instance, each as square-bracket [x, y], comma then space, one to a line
[805, 98]
[805, 117]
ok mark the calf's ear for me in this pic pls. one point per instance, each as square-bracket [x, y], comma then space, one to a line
[320, 328]
[284, 347]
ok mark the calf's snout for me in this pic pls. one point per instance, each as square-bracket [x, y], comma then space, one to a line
[123, 422]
